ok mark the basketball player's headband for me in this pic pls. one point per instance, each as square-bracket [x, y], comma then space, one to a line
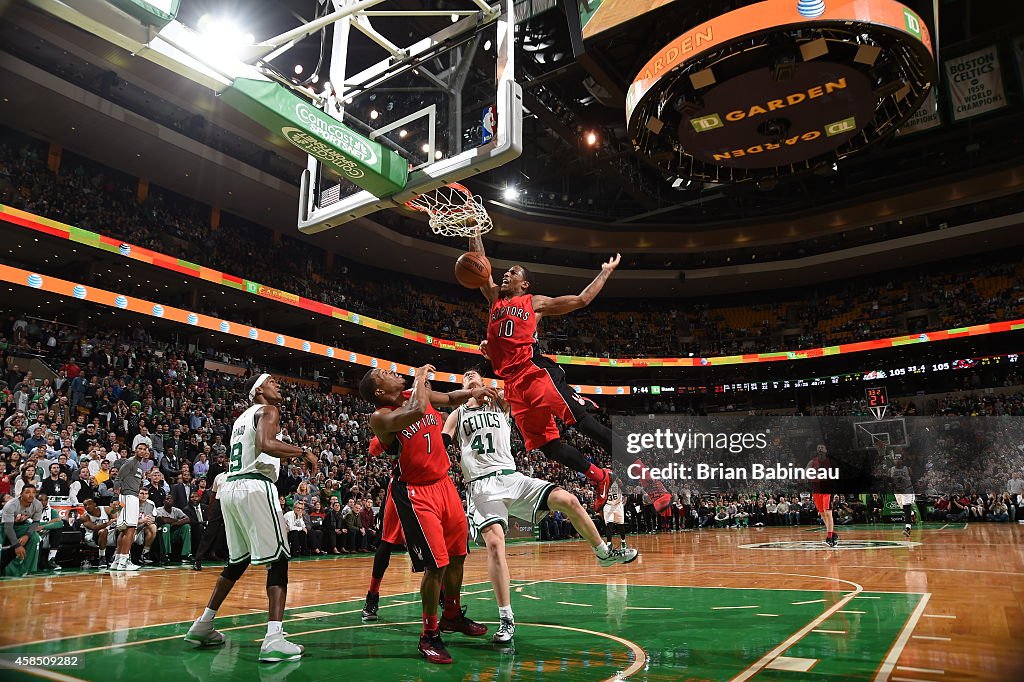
[259, 382]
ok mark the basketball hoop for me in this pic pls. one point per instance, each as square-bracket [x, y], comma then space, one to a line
[454, 211]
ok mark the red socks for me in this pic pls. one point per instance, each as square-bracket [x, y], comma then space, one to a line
[452, 607]
[594, 474]
[429, 623]
[829, 534]
[375, 585]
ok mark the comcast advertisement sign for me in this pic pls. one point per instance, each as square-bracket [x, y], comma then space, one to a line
[366, 163]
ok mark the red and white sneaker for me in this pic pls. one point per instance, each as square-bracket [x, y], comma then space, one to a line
[432, 648]
[601, 492]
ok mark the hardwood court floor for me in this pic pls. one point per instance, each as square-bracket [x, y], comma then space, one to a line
[767, 603]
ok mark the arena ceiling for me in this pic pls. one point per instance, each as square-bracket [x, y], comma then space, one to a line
[133, 115]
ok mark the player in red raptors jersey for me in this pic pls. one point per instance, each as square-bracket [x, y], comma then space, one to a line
[535, 387]
[426, 500]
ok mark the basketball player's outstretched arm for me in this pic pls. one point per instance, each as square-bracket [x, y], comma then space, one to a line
[490, 289]
[455, 398]
[561, 305]
[268, 444]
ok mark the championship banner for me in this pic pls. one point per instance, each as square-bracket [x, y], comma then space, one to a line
[975, 83]
[924, 118]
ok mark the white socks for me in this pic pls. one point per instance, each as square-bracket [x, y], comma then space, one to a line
[274, 627]
[505, 612]
[53, 555]
[602, 550]
[208, 616]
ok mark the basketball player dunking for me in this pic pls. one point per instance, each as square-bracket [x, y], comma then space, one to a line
[535, 387]
[823, 498]
[428, 505]
[495, 491]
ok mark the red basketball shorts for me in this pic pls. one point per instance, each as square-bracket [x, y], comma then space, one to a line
[433, 520]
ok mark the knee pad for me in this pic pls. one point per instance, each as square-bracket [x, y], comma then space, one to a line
[277, 573]
[234, 571]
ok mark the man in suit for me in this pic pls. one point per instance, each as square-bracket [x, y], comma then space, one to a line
[198, 516]
[182, 490]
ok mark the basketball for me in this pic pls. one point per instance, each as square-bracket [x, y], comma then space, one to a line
[472, 270]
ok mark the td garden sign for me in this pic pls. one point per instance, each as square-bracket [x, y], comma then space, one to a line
[366, 163]
[767, 123]
[764, 91]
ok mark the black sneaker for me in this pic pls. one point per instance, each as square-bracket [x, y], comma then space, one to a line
[53, 565]
[832, 541]
[370, 608]
[197, 565]
[906, 531]
[145, 560]
[462, 624]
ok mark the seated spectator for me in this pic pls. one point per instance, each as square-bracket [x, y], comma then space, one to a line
[998, 512]
[146, 530]
[367, 520]
[99, 532]
[174, 528]
[21, 520]
[959, 508]
[298, 533]
[53, 485]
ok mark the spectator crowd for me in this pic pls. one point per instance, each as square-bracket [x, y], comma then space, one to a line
[65, 438]
[100, 199]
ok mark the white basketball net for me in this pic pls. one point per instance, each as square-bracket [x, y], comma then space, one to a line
[454, 211]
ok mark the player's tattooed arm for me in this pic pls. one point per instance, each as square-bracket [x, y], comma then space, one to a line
[561, 305]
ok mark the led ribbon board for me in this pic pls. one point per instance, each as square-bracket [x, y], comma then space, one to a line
[766, 92]
[183, 267]
[141, 306]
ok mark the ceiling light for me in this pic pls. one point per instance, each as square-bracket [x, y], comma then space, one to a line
[510, 193]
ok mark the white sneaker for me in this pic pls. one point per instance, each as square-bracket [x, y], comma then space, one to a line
[506, 631]
[203, 634]
[129, 566]
[276, 648]
[618, 556]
